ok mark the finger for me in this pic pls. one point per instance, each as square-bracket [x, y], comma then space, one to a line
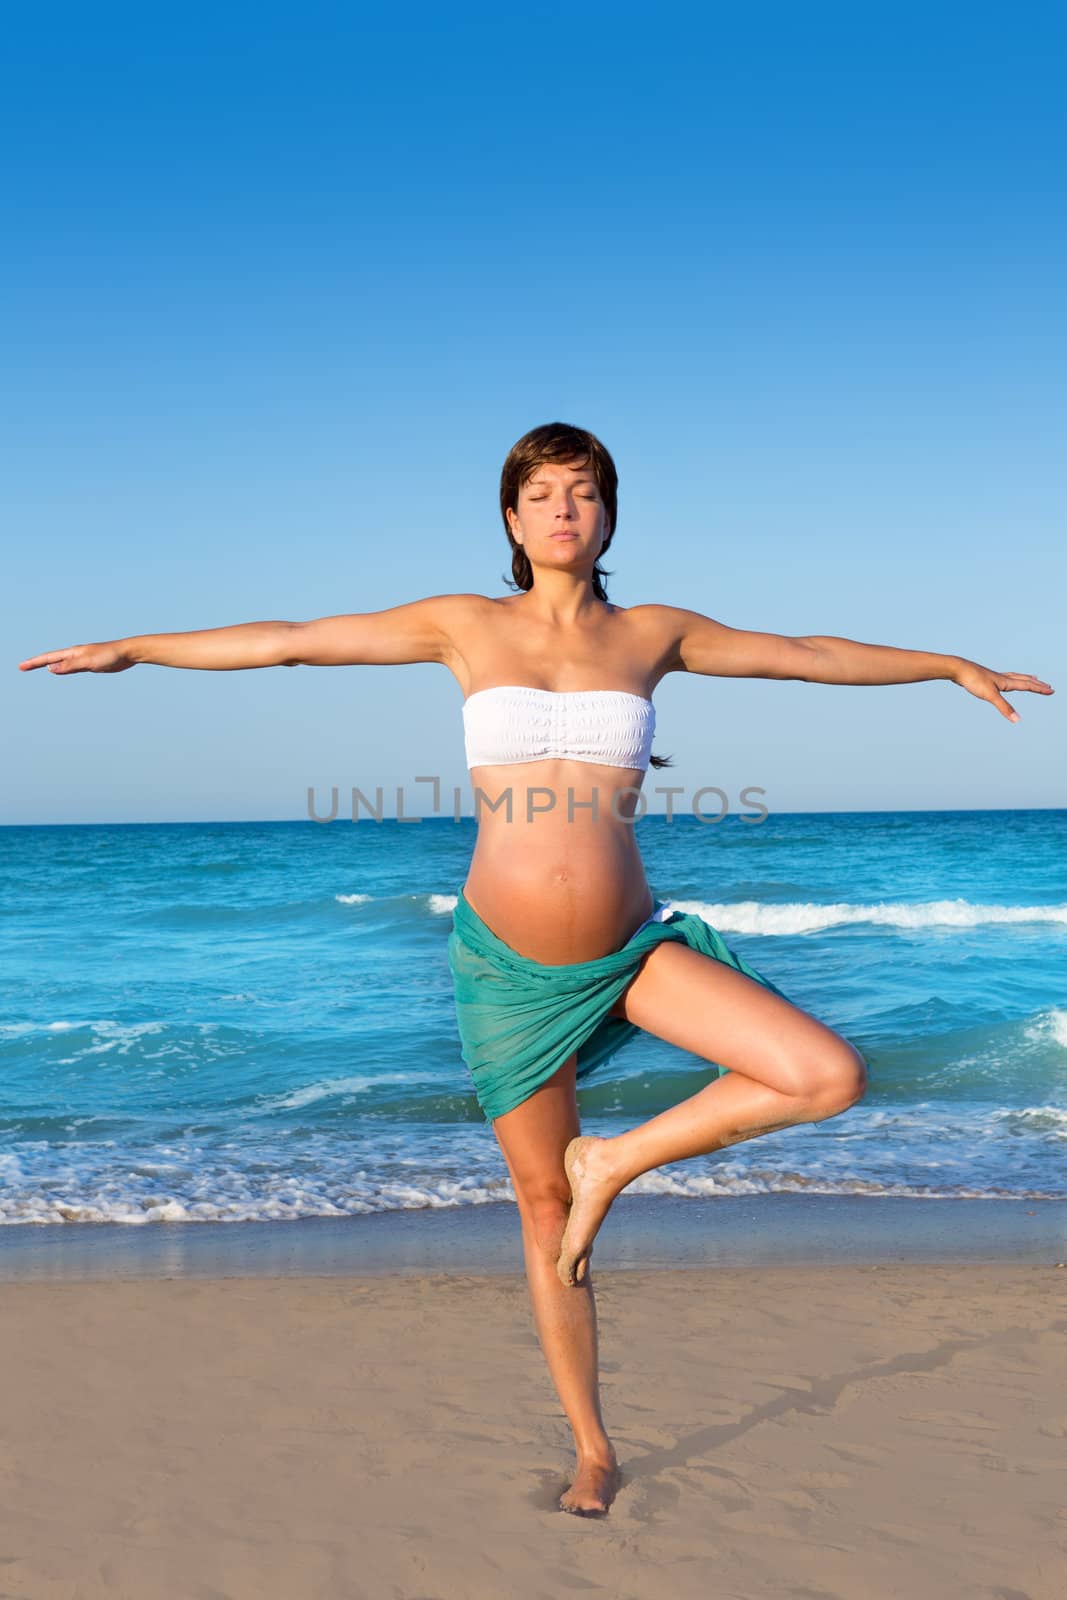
[42, 660]
[1007, 710]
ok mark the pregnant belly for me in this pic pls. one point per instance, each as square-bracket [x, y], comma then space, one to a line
[559, 894]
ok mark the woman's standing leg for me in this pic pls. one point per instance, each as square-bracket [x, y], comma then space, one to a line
[533, 1138]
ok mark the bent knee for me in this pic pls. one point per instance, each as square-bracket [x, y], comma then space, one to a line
[839, 1082]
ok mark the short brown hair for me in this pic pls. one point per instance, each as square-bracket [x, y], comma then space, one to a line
[557, 442]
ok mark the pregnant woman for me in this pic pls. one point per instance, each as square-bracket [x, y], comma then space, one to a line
[558, 952]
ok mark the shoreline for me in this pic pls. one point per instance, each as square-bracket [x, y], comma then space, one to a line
[640, 1232]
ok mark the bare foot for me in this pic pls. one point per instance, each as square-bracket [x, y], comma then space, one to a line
[593, 1188]
[595, 1485]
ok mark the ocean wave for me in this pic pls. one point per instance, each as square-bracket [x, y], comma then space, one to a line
[442, 904]
[1049, 1026]
[299, 1200]
[750, 916]
[333, 1088]
[809, 916]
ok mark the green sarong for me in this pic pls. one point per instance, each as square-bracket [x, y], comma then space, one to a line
[520, 1020]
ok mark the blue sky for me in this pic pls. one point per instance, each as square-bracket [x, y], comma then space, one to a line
[281, 286]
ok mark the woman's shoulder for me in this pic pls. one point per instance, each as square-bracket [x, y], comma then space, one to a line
[474, 600]
[461, 605]
[651, 617]
[649, 611]
[458, 614]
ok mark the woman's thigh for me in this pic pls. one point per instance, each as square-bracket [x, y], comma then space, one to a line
[701, 1005]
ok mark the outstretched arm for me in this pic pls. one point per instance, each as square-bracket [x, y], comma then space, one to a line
[245, 644]
[699, 644]
[419, 631]
[846, 661]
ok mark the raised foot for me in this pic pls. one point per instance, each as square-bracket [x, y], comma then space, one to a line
[595, 1486]
[593, 1188]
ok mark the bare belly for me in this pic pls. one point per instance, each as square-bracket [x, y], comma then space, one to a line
[554, 881]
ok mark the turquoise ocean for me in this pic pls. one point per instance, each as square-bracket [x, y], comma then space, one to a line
[212, 1022]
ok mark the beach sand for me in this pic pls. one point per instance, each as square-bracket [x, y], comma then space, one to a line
[808, 1431]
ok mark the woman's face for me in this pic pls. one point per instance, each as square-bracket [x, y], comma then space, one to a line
[560, 518]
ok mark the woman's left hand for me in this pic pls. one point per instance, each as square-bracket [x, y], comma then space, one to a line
[987, 685]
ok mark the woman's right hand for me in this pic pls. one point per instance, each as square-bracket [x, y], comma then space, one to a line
[110, 656]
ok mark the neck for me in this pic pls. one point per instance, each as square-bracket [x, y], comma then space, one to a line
[562, 599]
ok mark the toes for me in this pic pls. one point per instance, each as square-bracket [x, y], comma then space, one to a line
[572, 1270]
[600, 1510]
[583, 1511]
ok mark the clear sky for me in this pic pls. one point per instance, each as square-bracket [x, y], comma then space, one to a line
[281, 285]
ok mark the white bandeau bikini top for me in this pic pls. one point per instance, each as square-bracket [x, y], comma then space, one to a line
[514, 723]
